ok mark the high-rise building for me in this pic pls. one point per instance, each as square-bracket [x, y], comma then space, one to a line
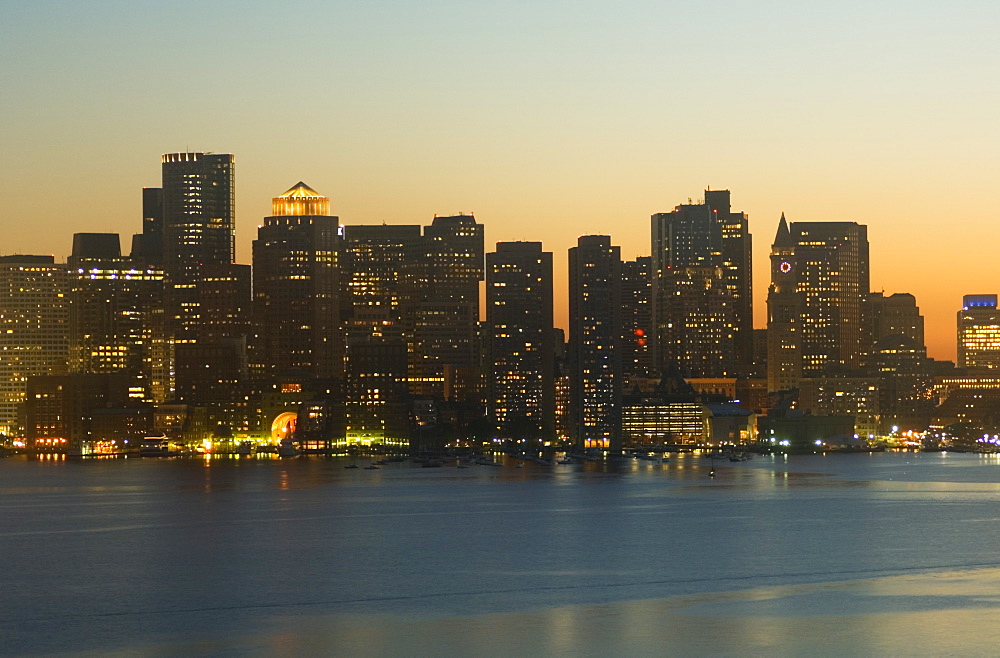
[784, 310]
[34, 329]
[147, 247]
[198, 230]
[297, 287]
[817, 300]
[521, 340]
[595, 321]
[377, 262]
[979, 333]
[213, 369]
[637, 318]
[701, 301]
[896, 314]
[737, 273]
[442, 303]
[112, 302]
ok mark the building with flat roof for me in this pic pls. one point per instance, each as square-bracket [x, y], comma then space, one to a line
[979, 333]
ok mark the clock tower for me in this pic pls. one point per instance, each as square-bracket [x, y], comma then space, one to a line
[784, 312]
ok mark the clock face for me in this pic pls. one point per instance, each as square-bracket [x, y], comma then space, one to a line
[785, 267]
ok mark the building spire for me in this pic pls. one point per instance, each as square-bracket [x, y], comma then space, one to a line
[783, 238]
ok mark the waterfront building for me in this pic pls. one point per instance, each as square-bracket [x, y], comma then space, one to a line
[377, 262]
[731, 424]
[377, 400]
[979, 333]
[595, 312]
[34, 315]
[521, 351]
[669, 413]
[857, 397]
[976, 408]
[213, 370]
[59, 409]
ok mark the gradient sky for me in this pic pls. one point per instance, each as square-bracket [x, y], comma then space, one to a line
[548, 119]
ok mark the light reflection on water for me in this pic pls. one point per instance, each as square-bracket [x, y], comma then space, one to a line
[229, 555]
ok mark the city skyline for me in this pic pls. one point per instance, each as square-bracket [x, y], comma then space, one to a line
[547, 123]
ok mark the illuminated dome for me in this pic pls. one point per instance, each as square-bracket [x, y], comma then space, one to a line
[300, 200]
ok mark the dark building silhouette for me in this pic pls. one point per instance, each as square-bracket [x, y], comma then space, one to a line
[378, 260]
[198, 230]
[637, 318]
[112, 303]
[737, 273]
[147, 247]
[701, 297]
[521, 347]
[59, 408]
[213, 368]
[297, 287]
[895, 314]
[595, 321]
[442, 303]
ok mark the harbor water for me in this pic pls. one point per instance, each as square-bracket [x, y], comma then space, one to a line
[886, 553]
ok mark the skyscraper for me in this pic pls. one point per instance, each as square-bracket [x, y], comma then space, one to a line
[893, 315]
[147, 247]
[34, 314]
[737, 273]
[198, 230]
[637, 318]
[297, 285]
[784, 310]
[112, 302]
[702, 313]
[595, 321]
[817, 299]
[979, 333]
[521, 340]
[213, 369]
[442, 303]
[376, 261]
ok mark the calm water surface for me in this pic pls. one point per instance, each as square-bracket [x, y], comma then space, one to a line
[862, 553]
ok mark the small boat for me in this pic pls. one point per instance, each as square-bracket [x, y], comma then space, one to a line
[156, 446]
[351, 466]
[371, 467]
[288, 449]
[246, 448]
